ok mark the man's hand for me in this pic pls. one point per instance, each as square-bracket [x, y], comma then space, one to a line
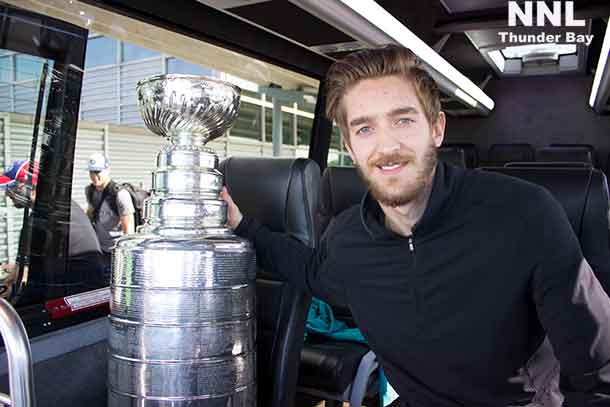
[234, 215]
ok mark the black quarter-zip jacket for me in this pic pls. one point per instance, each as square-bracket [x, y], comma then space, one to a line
[456, 309]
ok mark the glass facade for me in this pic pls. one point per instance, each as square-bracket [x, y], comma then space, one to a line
[109, 117]
[337, 155]
[175, 65]
[109, 95]
[248, 124]
[100, 51]
[132, 52]
[6, 68]
[112, 69]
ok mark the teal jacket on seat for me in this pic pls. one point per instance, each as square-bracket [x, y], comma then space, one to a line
[320, 320]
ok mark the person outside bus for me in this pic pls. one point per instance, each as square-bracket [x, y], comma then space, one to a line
[84, 250]
[110, 208]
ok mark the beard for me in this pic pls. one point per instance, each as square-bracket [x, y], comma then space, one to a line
[401, 189]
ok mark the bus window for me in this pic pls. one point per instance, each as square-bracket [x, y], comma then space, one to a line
[109, 123]
[40, 81]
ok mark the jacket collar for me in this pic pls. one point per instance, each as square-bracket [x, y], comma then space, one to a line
[444, 185]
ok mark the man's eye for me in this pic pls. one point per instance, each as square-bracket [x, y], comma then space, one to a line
[405, 120]
[363, 131]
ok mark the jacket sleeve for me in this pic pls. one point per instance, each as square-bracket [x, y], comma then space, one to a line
[573, 308]
[302, 266]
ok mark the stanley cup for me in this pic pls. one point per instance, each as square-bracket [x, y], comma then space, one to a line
[182, 317]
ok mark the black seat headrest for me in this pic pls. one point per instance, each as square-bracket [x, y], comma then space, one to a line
[341, 188]
[583, 193]
[470, 152]
[587, 146]
[564, 154]
[282, 193]
[579, 190]
[543, 164]
[499, 154]
[452, 155]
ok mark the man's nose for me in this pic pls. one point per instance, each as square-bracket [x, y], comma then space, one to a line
[388, 141]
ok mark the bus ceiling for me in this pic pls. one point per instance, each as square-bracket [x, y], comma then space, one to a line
[463, 43]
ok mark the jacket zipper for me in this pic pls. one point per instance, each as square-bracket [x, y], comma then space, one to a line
[412, 250]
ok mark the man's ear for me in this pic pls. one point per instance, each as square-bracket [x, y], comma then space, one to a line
[438, 129]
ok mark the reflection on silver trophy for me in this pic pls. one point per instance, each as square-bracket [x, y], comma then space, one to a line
[182, 323]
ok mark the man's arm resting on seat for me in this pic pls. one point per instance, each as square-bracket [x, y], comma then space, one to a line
[574, 310]
[287, 257]
[293, 260]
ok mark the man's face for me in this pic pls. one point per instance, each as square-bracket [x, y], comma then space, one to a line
[390, 140]
[99, 179]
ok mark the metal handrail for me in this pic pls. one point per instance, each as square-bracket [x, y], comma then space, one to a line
[19, 355]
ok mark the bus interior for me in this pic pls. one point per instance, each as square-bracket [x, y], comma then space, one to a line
[529, 99]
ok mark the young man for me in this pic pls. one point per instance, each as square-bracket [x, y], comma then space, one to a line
[454, 277]
[110, 209]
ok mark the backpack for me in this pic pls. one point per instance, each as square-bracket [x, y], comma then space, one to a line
[138, 195]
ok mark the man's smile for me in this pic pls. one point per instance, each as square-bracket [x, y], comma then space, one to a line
[392, 168]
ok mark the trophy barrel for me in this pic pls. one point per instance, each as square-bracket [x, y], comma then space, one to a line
[182, 320]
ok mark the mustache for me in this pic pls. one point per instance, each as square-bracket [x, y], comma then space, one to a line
[395, 157]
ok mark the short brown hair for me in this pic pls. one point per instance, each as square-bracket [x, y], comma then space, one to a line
[376, 63]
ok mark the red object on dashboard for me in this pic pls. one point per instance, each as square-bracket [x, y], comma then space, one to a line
[73, 304]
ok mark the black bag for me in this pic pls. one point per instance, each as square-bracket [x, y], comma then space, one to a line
[138, 195]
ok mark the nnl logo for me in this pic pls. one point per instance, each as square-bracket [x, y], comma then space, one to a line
[543, 12]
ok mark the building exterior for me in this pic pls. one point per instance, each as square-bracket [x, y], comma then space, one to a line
[110, 122]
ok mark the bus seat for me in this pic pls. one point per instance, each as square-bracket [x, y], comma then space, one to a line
[452, 155]
[500, 154]
[470, 152]
[564, 154]
[340, 188]
[588, 147]
[552, 164]
[583, 193]
[282, 194]
[337, 370]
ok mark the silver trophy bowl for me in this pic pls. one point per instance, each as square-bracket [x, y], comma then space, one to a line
[200, 107]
